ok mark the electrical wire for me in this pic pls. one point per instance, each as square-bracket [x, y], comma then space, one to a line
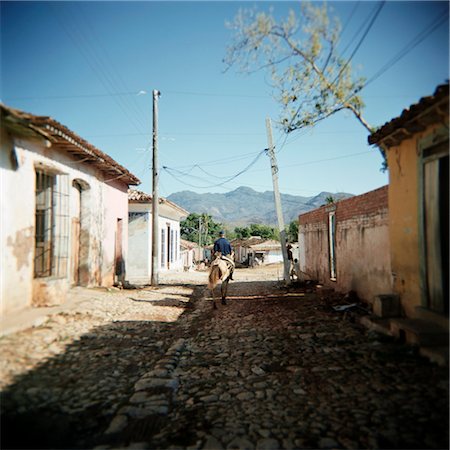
[433, 26]
[94, 61]
[358, 45]
[230, 178]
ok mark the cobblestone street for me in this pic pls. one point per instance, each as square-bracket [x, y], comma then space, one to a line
[158, 368]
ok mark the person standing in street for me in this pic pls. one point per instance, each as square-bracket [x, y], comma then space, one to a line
[223, 246]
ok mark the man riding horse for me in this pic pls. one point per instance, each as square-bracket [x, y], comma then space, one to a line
[223, 246]
[222, 267]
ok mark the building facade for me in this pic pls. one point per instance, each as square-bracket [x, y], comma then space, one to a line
[416, 145]
[345, 245]
[64, 211]
[140, 237]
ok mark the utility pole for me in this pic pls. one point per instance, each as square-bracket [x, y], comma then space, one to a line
[277, 198]
[200, 237]
[155, 199]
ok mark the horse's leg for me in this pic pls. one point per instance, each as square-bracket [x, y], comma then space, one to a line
[223, 290]
[213, 299]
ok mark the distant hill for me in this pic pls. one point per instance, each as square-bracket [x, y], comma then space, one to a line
[245, 205]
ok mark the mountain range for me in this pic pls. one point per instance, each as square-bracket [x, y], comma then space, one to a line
[244, 205]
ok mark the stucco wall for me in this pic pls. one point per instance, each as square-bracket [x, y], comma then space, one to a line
[139, 266]
[16, 231]
[405, 200]
[100, 203]
[139, 245]
[361, 244]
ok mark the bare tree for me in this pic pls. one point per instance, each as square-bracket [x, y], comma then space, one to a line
[310, 79]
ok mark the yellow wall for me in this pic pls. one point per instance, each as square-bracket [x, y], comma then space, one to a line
[404, 219]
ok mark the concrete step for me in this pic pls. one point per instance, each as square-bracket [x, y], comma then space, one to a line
[432, 316]
[377, 324]
[419, 332]
[438, 355]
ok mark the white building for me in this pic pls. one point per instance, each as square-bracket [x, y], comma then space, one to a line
[139, 266]
[64, 212]
[255, 250]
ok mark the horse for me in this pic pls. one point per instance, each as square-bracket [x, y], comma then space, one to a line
[219, 271]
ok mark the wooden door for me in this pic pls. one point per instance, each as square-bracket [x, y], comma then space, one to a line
[436, 229]
[75, 251]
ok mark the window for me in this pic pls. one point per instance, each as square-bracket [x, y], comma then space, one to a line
[163, 247]
[52, 225]
[172, 246]
[177, 247]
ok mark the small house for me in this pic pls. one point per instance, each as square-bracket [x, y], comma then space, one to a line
[416, 145]
[64, 210]
[256, 250]
[140, 236]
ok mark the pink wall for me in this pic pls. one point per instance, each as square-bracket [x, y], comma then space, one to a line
[362, 252]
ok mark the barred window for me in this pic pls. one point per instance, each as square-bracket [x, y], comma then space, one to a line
[52, 225]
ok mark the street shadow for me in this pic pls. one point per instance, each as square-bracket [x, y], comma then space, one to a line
[69, 400]
[169, 302]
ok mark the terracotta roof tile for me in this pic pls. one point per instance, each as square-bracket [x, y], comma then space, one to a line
[428, 110]
[65, 139]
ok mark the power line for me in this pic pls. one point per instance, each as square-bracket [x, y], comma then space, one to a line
[433, 26]
[94, 60]
[358, 45]
[232, 177]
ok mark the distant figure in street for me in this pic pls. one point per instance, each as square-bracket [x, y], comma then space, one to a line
[290, 257]
[295, 271]
[223, 246]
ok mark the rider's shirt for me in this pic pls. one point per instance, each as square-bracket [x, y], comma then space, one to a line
[223, 246]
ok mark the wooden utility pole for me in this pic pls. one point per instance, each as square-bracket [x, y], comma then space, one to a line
[200, 237]
[277, 198]
[155, 199]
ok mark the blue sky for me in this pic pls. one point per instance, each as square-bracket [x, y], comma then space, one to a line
[88, 64]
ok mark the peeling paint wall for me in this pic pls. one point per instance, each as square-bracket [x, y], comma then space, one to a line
[102, 203]
[362, 246]
[405, 200]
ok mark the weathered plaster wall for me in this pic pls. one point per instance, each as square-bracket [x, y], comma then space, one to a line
[16, 232]
[405, 219]
[115, 207]
[97, 236]
[139, 245]
[140, 242]
[361, 245]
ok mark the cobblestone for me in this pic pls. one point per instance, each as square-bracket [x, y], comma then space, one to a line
[275, 368]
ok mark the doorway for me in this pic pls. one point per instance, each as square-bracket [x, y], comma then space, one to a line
[436, 226]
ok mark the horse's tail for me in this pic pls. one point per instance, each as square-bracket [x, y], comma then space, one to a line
[214, 276]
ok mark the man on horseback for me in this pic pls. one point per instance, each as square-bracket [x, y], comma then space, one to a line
[223, 246]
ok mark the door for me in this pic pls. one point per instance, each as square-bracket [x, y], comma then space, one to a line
[436, 227]
[119, 262]
[75, 234]
[75, 251]
[332, 244]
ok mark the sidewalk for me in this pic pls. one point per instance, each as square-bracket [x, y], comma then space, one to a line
[34, 317]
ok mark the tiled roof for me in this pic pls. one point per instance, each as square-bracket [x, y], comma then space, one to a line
[139, 197]
[135, 196]
[188, 244]
[65, 139]
[416, 118]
